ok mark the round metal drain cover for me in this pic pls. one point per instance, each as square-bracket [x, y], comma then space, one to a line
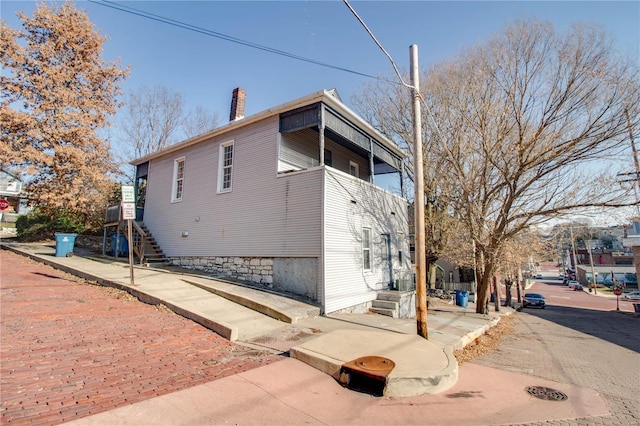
[375, 363]
[548, 394]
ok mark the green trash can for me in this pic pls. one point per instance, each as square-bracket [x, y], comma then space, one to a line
[64, 244]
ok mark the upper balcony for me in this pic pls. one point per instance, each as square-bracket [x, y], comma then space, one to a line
[318, 134]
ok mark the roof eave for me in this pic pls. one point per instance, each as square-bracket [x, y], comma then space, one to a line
[320, 96]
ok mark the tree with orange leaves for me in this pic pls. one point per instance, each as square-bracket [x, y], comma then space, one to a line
[57, 93]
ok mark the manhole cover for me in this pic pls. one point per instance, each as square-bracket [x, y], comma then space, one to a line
[367, 374]
[548, 394]
[375, 363]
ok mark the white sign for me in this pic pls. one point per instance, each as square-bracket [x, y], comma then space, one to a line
[128, 196]
[128, 211]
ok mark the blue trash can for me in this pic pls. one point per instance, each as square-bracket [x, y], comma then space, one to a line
[64, 244]
[122, 246]
[462, 298]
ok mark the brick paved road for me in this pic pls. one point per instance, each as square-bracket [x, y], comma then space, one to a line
[69, 349]
[582, 346]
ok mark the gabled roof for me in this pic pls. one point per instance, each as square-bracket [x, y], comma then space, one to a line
[9, 183]
[328, 97]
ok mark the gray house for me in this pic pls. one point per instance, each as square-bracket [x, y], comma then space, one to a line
[285, 198]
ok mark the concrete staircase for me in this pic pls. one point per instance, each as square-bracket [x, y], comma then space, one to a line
[387, 303]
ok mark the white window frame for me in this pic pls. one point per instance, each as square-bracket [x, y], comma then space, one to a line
[354, 166]
[401, 242]
[366, 249]
[222, 167]
[177, 187]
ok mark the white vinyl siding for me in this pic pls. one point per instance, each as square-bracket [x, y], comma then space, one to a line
[298, 150]
[266, 215]
[351, 205]
[225, 167]
[178, 180]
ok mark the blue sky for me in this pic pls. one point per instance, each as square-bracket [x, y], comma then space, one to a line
[205, 69]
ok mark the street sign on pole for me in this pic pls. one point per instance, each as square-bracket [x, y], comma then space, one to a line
[4, 204]
[129, 214]
[128, 211]
[617, 291]
[128, 194]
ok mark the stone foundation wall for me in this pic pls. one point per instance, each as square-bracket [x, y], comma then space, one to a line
[90, 242]
[362, 308]
[256, 270]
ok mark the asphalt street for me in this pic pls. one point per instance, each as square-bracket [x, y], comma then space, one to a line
[581, 339]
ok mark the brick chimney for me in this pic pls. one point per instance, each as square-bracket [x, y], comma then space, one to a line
[237, 104]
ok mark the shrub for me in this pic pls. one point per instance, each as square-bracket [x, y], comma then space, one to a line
[38, 226]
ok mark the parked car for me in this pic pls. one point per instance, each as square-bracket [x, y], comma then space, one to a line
[572, 284]
[538, 276]
[634, 295]
[533, 299]
[578, 287]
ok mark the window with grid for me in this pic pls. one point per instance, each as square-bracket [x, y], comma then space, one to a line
[178, 179]
[225, 173]
[366, 248]
[353, 169]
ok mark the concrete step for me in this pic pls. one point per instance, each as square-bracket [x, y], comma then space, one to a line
[389, 295]
[384, 311]
[385, 304]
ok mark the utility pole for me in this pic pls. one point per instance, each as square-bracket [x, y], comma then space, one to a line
[633, 148]
[594, 274]
[421, 254]
[573, 251]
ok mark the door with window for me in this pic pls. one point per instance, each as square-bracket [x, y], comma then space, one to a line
[386, 262]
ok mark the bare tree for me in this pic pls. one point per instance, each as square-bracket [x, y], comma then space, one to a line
[56, 93]
[199, 121]
[155, 118]
[389, 108]
[521, 121]
[519, 126]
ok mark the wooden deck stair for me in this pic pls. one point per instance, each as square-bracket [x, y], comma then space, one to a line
[152, 253]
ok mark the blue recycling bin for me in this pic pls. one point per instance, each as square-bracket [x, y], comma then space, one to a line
[64, 244]
[121, 247]
[462, 298]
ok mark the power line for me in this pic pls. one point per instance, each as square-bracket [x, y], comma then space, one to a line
[364, 25]
[204, 31]
[415, 89]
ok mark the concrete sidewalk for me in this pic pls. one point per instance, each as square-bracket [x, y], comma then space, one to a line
[292, 391]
